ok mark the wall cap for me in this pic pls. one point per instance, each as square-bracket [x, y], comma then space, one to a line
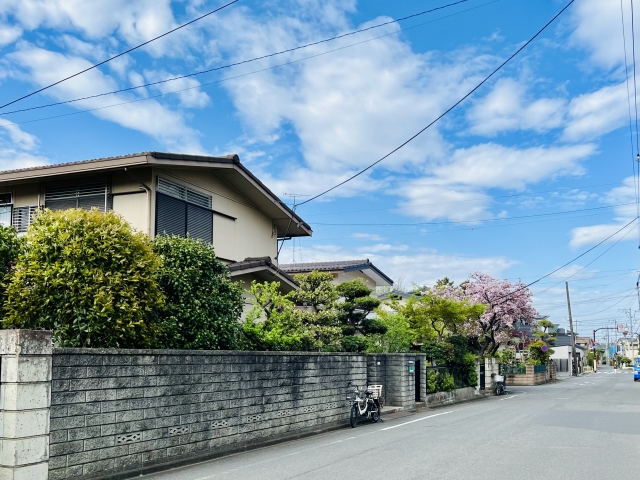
[26, 342]
[127, 351]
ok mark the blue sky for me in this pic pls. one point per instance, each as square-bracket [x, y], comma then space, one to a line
[549, 134]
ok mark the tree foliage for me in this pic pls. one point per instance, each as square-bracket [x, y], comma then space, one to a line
[10, 248]
[397, 337]
[317, 316]
[504, 302]
[357, 303]
[275, 323]
[203, 305]
[88, 277]
[545, 332]
[537, 355]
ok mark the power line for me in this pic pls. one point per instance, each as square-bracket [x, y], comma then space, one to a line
[575, 273]
[611, 306]
[486, 79]
[151, 97]
[242, 62]
[478, 220]
[568, 263]
[591, 299]
[484, 227]
[531, 194]
[120, 54]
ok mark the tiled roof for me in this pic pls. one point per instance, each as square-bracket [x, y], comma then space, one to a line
[101, 159]
[52, 165]
[250, 263]
[346, 265]
[322, 266]
[265, 262]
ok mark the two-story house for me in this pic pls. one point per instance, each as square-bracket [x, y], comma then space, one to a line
[216, 199]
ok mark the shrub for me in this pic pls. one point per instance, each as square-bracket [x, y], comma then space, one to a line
[447, 383]
[10, 247]
[440, 382]
[373, 326]
[203, 304]
[87, 276]
[398, 336]
[275, 324]
[432, 383]
[354, 343]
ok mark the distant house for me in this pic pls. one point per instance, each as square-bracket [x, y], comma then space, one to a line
[562, 352]
[215, 199]
[343, 271]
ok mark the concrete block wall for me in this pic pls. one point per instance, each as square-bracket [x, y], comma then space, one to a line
[129, 410]
[25, 394]
[392, 371]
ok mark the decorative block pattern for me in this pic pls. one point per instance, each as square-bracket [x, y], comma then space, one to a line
[178, 430]
[121, 410]
[129, 438]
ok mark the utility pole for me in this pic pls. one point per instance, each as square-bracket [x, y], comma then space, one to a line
[573, 338]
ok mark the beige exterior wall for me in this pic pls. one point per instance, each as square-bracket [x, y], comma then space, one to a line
[341, 277]
[224, 237]
[134, 209]
[27, 195]
[250, 235]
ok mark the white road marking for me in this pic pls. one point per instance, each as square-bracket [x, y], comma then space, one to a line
[512, 396]
[414, 421]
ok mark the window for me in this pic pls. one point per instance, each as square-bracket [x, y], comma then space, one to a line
[5, 209]
[5, 215]
[86, 193]
[180, 210]
[23, 217]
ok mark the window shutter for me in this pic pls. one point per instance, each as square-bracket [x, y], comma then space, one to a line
[181, 210]
[171, 215]
[23, 217]
[200, 223]
[85, 193]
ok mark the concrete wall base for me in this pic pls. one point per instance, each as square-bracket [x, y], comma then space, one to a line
[457, 395]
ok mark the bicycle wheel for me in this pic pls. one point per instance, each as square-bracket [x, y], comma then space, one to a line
[375, 415]
[353, 419]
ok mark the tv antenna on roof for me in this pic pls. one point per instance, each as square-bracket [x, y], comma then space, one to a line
[293, 240]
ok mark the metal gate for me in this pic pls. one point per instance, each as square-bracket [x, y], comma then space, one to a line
[481, 377]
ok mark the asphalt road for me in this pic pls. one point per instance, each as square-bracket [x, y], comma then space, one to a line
[586, 427]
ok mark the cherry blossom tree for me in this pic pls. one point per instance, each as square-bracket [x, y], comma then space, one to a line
[505, 303]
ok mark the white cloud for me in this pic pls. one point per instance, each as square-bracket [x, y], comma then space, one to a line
[598, 28]
[421, 266]
[574, 271]
[18, 149]
[9, 34]
[349, 108]
[134, 22]
[495, 166]
[149, 117]
[590, 235]
[456, 202]
[507, 108]
[382, 247]
[455, 188]
[190, 97]
[367, 236]
[592, 115]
